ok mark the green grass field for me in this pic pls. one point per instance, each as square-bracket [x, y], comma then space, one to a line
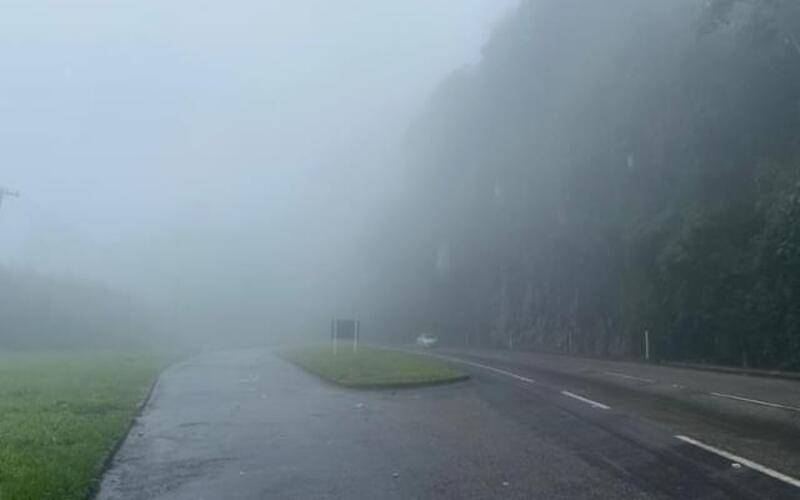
[373, 368]
[61, 413]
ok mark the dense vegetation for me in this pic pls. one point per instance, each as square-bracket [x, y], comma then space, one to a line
[39, 311]
[609, 168]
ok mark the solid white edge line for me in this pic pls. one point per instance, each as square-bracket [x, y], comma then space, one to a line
[586, 400]
[623, 375]
[755, 401]
[485, 367]
[747, 463]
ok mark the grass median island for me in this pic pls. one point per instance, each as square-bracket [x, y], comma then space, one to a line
[374, 368]
[61, 414]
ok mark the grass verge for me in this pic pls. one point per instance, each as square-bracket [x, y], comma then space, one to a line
[374, 368]
[61, 415]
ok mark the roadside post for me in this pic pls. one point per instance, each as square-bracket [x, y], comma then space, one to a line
[647, 345]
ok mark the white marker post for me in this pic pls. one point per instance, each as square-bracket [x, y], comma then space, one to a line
[646, 345]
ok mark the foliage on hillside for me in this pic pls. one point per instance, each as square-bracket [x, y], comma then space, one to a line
[608, 168]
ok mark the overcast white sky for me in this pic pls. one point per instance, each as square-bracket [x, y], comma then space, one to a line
[170, 137]
[121, 114]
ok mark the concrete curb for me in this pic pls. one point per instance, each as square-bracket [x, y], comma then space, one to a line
[375, 386]
[94, 487]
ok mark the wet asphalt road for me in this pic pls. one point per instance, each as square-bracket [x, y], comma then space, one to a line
[246, 424]
[756, 418]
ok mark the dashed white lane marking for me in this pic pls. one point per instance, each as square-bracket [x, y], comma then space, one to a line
[631, 377]
[586, 400]
[747, 463]
[756, 401]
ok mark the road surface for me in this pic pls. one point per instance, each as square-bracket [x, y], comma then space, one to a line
[246, 424]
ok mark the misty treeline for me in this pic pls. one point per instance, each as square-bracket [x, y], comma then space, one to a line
[47, 312]
[609, 168]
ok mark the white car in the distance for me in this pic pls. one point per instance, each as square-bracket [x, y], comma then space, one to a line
[427, 340]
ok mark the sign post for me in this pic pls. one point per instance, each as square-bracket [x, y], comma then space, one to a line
[345, 329]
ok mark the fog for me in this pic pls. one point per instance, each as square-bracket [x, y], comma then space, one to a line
[559, 175]
[588, 208]
[215, 161]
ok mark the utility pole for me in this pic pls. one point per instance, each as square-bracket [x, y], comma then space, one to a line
[4, 192]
